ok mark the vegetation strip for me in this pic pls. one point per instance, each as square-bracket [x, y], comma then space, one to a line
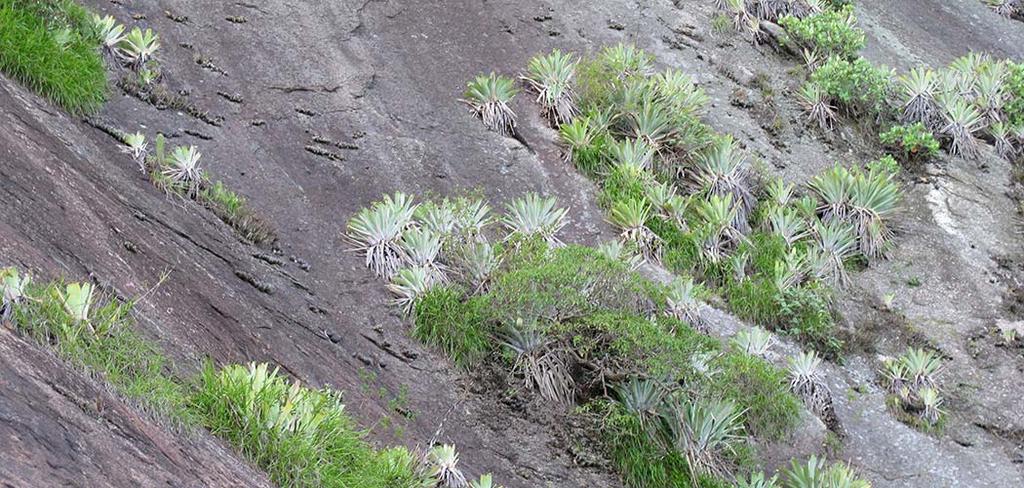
[300, 436]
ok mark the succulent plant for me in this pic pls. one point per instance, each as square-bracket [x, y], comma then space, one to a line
[551, 77]
[489, 97]
[533, 215]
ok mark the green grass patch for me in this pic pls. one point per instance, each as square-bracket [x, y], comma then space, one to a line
[106, 344]
[447, 321]
[235, 211]
[298, 435]
[46, 47]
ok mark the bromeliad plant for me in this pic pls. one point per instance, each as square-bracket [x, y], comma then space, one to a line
[445, 460]
[538, 363]
[704, 434]
[533, 215]
[962, 122]
[684, 304]
[722, 171]
[551, 77]
[817, 105]
[409, 285]
[12, 290]
[754, 341]
[377, 232]
[630, 216]
[138, 46]
[489, 97]
[808, 382]
[109, 32]
[182, 171]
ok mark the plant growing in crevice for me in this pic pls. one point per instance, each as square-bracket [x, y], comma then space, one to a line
[138, 46]
[181, 171]
[914, 142]
[817, 106]
[551, 77]
[754, 341]
[808, 382]
[489, 96]
[444, 461]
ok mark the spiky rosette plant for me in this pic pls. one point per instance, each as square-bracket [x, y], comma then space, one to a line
[626, 61]
[722, 170]
[680, 93]
[717, 232]
[408, 285]
[444, 461]
[818, 106]
[754, 341]
[182, 170]
[489, 96]
[833, 189]
[641, 397]
[790, 271]
[874, 196]
[787, 224]
[615, 250]
[533, 215]
[705, 434]
[684, 304]
[632, 153]
[137, 147]
[919, 90]
[550, 76]
[421, 248]
[578, 144]
[1006, 8]
[836, 243]
[1003, 140]
[990, 92]
[630, 216]
[659, 195]
[930, 405]
[12, 290]
[808, 382]
[540, 365]
[472, 216]
[651, 123]
[377, 231]
[758, 480]
[478, 262]
[138, 46]
[922, 366]
[962, 122]
[485, 481]
[894, 376]
[109, 32]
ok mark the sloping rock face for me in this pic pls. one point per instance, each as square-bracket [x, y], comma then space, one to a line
[318, 108]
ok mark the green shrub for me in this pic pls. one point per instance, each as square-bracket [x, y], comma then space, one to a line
[105, 343]
[830, 33]
[299, 436]
[636, 453]
[884, 165]
[857, 85]
[806, 313]
[771, 410]
[624, 183]
[455, 326]
[1014, 107]
[57, 59]
[914, 142]
[564, 283]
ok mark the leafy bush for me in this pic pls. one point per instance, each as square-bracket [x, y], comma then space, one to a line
[564, 283]
[857, 85]
[915, 142]
[445, 321]
[830, 33]
[299, 436]
[1015, 88]
[46, 47]
[771, 411]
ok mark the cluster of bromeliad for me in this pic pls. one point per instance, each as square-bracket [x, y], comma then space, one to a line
[916, 113]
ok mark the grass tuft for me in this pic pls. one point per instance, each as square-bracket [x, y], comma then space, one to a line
[57, 58]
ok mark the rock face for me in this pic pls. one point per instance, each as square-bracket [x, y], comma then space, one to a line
[372, 88]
